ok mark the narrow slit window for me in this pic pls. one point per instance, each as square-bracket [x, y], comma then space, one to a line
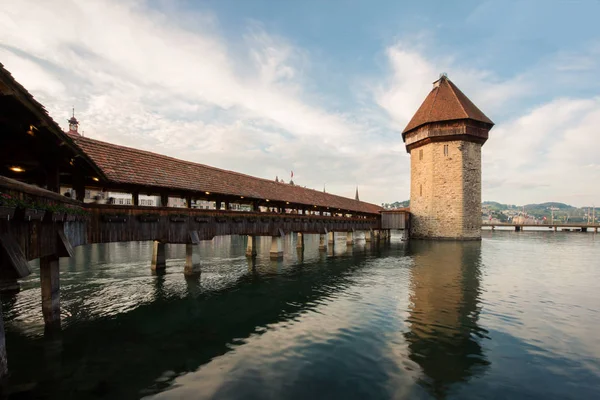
[420, 190]
[446, 150]
[421, 154]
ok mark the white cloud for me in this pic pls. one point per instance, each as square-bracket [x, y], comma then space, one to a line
[548, 154]
[167, 81]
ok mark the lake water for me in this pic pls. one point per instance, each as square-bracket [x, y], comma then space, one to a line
[513, 316]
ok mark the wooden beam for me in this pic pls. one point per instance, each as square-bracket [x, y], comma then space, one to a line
[13, 257]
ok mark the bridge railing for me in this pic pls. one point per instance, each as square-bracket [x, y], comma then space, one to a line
[35, 222]
[111, 223]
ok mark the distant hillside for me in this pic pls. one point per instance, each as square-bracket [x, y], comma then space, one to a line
[562, 206]
[549, 210]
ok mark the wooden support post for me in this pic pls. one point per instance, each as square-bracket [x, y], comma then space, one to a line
[79, 185]
[322, 242]
[136, 198]
[164, 200]
[218, 204]
[50, 282]
[276, 248]
[555, 228]
[53, 178]
[517, 228]
[192, 267]
[188, 201]
[300, 242]
[251, 248]
[3, 361]
[227, 206]
[158, 257]
[349, 238]
[331, 237]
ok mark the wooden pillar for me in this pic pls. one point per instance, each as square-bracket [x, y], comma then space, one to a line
[188, 201]
[349, 239]
[136, 198]
[276, 247]
[192, 267]
[331, 237]
[164, 200]
[158, 257]
[218, 204]
[517, 228]
[300, 241]
[227, 206]
[251, 247]
[3, 361]
[53, 178]
[322, 242]
[79, 185]
[555, 228]
[50, 282]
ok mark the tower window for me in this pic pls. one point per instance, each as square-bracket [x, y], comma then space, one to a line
[420, 190]
[421, 154]
[446, 150]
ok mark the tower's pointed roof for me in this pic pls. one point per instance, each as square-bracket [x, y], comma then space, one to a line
[445, 102]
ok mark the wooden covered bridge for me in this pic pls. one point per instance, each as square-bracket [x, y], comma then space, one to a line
[37, 220]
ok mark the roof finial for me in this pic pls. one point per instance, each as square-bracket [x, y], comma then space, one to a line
[443, 75]
[73, 111]
[356, 196]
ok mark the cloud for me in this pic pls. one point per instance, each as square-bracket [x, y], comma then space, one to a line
[548, 153]
[411, 75]
[139, 78]
[168, 80]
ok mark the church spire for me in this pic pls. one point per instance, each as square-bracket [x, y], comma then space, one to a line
[356, 196]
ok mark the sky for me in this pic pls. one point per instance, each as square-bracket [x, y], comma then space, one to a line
[322, 88]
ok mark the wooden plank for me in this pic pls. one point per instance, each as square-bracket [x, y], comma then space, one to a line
[63, 246]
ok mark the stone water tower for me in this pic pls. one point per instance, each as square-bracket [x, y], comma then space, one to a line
[444, 139]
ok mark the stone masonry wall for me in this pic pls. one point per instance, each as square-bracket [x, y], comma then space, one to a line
[445, 195]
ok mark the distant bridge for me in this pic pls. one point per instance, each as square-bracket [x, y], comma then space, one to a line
[566, 227]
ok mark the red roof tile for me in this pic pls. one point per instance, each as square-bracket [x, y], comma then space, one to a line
[129, 166]
[445, 102]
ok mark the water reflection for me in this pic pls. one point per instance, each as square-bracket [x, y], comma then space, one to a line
[444, 338]
[114, 343]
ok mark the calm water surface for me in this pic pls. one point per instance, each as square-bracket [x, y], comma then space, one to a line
[515, 316]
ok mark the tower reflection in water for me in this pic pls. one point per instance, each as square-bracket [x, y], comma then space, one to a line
[443, 337]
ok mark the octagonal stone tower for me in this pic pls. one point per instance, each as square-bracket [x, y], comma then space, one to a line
[444, 139]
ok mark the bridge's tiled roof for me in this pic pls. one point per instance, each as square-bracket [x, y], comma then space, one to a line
[129, 166]
[445, 102]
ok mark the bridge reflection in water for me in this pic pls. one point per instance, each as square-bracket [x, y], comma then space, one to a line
[127, 333]
[443, 336]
